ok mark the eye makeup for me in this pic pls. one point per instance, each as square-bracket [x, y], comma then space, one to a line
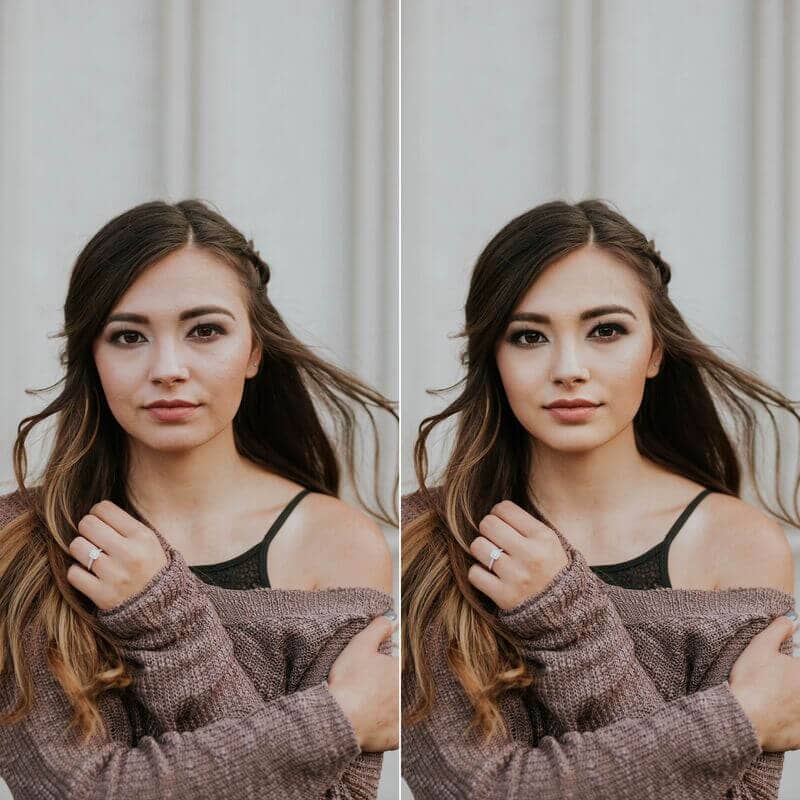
[517, 336]
[115, 336]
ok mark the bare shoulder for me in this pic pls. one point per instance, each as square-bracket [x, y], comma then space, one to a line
[343, 546]
[747, 547]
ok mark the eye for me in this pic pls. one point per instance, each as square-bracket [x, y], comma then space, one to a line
[205, 331]
[527, 338]
[115, 337]
[608, 330]
[208, 327]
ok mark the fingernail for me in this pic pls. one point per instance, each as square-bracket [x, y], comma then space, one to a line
[390, 615]
[791, 615]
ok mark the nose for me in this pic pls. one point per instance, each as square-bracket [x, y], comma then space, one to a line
[568, 368]
[168, 366]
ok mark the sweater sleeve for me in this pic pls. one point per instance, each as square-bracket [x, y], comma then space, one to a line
[292, 747]
[693, 748]
[185, 671]
[588, 673]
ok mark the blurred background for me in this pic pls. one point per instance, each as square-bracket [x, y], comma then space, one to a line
[684, 115]
[283, 115]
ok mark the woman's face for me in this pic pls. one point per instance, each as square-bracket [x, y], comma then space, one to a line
[180, 332]
[581, 332]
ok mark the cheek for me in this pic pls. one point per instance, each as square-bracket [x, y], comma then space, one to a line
[116, 376]
[522, 373]
[623, 374]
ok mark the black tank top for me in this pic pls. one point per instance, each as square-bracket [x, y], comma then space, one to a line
[248, 570]
[649, 570]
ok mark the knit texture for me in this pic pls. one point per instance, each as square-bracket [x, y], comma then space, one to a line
[228, 699]
[631, 699]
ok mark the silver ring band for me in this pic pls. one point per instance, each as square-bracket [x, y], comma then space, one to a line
[94, 554]
[493, 556]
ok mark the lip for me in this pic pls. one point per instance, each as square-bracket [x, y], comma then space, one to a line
[577, 410]
[171, 410]
[170, 404]
[577, 402]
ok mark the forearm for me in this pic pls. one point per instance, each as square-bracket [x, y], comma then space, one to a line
[586, 671]
[294, 747]
[693, 748]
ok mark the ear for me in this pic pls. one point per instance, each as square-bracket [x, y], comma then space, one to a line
[254, 363]
[656, 356]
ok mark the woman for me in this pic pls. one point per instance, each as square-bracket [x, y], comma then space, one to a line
[590, 418]
[143, 605]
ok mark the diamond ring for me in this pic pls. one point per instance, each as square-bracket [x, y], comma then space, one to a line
[94, 554]
[493, 556]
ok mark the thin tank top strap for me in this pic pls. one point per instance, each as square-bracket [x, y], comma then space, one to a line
[273, 529]
[685, 514]
[663, 554]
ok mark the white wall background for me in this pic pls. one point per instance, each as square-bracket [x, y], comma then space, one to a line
[282, 114]
[685, 115]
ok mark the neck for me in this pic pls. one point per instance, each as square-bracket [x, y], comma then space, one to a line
[589, 483]
[188, 484]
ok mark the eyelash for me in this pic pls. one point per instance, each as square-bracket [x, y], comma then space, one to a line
[516, 337]
[115, 337]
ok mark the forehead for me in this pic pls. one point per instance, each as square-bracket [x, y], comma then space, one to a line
[584, 279]
[189, 276]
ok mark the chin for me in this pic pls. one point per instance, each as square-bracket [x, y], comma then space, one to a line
[577, 439]
[174, 441]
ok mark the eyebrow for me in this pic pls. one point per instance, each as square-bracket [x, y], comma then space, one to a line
[190, 313]
[590, 313]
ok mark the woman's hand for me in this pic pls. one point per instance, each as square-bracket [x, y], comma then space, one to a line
[767, 684]
[365, 684]
[132, 555]
[532, 555]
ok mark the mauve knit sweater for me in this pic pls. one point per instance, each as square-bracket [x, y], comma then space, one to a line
[633, 703]
[229, 699]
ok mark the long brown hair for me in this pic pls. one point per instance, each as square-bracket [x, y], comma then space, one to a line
[294, 416]
[679, 425]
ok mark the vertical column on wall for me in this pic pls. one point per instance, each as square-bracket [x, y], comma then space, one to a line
[16, 201]
[578, 52]
[768, 221]
[791, 196]
[374, 163]
[770, 268]
[177, 90]
[368, 198]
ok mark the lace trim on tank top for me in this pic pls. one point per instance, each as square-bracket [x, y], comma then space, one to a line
[249, 569]
[650, 569]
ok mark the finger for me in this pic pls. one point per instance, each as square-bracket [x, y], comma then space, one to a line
[497, 530]
[99, 533]
[371, 637]
[482, 549]
[118, 519]
[86, 583]
[771, 638]
[488, 583]
[79, 549]
[519, 519]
